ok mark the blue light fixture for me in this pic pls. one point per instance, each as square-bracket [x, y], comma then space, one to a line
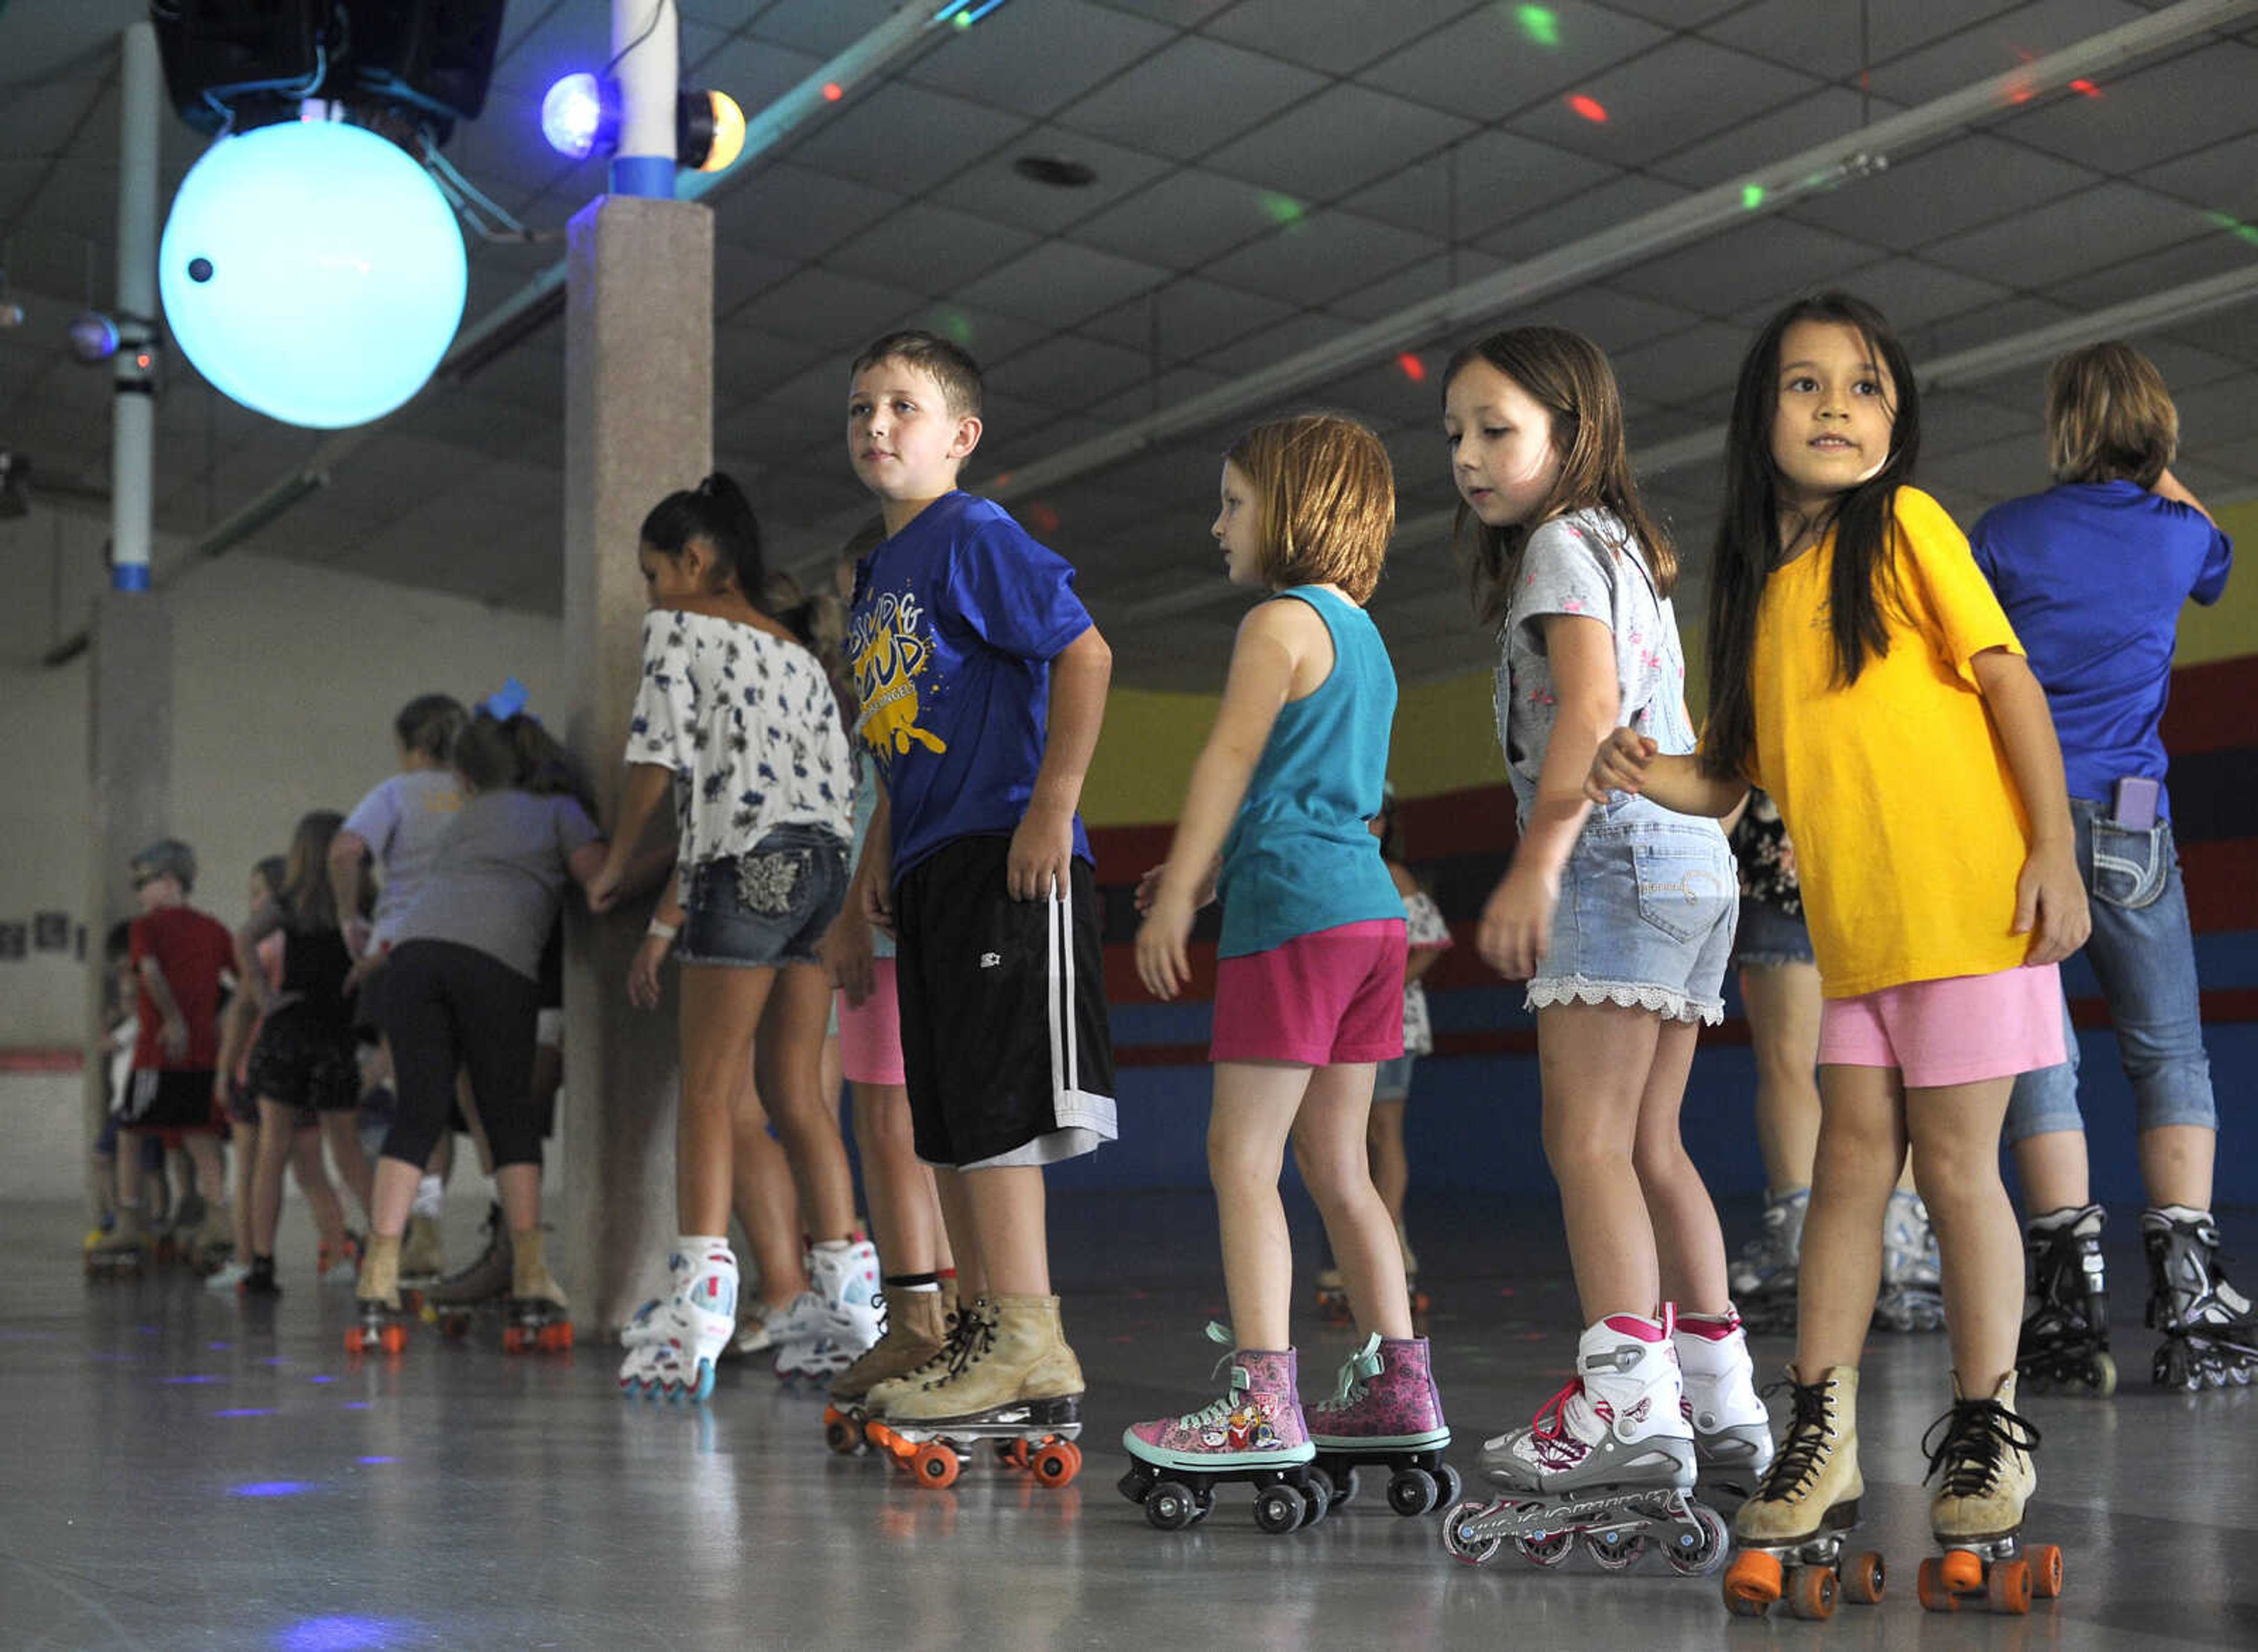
[580, 117]
[313, 273]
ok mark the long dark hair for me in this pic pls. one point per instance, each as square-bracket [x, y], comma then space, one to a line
[1862, 584]
[717, 512]
[304, 894]
[1570, 377]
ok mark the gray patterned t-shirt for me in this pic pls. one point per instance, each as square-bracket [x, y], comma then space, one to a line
[1586, 563]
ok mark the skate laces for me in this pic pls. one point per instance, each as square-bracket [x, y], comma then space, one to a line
[1208, 1416]
[971, 1336]
[1977, 1435]
[1798, 1461]
[1553, 1431]
[1356, 1374]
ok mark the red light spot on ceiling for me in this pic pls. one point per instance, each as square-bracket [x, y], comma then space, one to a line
[833, 91]
[2085, 88]
[1413, 368]
[1590, 108]
[1042, 518]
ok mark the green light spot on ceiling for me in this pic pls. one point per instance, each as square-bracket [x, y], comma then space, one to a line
[1281, 210]
[957, 327]
[1753, 196]
[1540, 23]
[2234, 226]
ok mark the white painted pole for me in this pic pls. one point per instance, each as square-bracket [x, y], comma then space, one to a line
[133, 453]
[646, 43]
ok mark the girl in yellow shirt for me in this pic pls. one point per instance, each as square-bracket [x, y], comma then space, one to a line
[1862, 673]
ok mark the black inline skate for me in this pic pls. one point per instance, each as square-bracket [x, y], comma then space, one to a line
[2065, 1337]
[2210, 1329]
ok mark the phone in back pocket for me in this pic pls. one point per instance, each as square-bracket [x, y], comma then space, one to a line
[2136, 808]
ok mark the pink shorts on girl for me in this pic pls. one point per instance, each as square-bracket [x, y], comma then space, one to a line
[870, 1033]
[1325, 999]
[1958, 1031]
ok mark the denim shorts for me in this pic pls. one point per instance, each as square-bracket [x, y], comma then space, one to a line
[1645, 917]
[768, 906]
[2143, 954]
[1768, 937]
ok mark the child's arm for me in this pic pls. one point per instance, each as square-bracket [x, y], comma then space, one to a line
[2050, 904]
[257, 992]
[1043, 847]
[234, 1031]
[1517, 921]
[2170, 487]
[1272, 642]
[348, 866]
[643, 970]
[175, 1034]
[1628, 761]
[647, 787]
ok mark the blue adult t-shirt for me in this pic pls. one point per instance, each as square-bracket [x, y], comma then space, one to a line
[956, 621]
[2092, 576]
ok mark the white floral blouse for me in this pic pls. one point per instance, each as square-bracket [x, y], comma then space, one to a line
[749, 723]
[1424, 931]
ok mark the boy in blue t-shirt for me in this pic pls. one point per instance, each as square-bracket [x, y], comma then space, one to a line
[982, 683]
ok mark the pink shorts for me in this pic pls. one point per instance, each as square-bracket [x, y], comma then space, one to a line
[1326, 999]
[870, 1033]
[1958, 1031]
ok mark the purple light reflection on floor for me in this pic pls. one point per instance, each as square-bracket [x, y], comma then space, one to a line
[354, 1405]
[371, 1462]
[246, 1411]
[183, 1382]
[273, 1488]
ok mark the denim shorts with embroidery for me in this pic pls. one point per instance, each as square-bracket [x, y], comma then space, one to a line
[1646, 917]
[768, 906]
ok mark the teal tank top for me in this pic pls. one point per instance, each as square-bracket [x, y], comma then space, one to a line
[1301, 856]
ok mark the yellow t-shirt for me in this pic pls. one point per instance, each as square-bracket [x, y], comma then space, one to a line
[1909, 832]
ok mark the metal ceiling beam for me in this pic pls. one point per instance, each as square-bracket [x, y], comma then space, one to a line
[1757, 194]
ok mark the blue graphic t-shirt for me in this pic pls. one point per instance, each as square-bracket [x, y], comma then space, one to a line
[956, 619]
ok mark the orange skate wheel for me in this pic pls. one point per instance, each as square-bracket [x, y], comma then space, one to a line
[353, 1344]
[1011, 1453]
[1752, 1583]
[937, 1466]
[1963, 1571]
[2045, 1569]
[1811, 1592]
[513, 1340]
[1928, 1584]
[393, 1338]
[1862, 1578]
[557, 1338]
[1055, 1464]
[2009, 1587]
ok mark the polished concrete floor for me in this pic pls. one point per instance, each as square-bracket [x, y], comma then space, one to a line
[181, 1470]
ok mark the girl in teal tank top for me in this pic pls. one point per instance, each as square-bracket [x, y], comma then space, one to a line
[1310, 983]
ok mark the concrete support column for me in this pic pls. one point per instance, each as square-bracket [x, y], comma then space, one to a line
[129, 765]
[638, 424]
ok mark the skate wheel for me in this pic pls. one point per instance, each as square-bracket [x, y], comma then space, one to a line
[700, 1390]
[1614, 1551]
[2101, 1375]
[1811, 1592]
[1961, 1571]
[2045, 1569]
[393, 1338]
[937, 1466]
[1752, 1583]
[1448, 1483]
[1863, 1578]
[557, 1339]
[1169, 1506]
[1413, 1492]
[1012, 1454]
[1548, 1550]
[513, 1341]
[1057, 1462]
[1928, 1584]
[1458, 1544]
[1317, 1503]
[1344, 1487]
[1693, 1556]
[1278, 1509]
[2009, 1587]
[1137, 1483]
[839, 1433]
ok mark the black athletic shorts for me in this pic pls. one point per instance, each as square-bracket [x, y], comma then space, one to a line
[159, 1098]
[302, 1061]
[1005, 1044]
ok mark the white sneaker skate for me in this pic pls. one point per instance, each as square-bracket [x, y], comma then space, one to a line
[683, 1337]
[1732, 1431]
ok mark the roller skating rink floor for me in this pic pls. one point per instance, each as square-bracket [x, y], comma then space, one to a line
[184, 1470]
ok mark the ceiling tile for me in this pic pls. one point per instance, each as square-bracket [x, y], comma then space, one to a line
[992, 190]
[1972, 179]
[1338, 140]
[1187, 317]
[1068, 372]
[1189, 217]
[2148, 114]
[1415, 284]
[794, 212]
[933, 250]
[1486, 66]
[1041, 56]
[1821, 116]
[1911, 292]
[750, 362]
[1836, 39]
[824, 27]
[829, 310]
[1979, 48]
[1058, 283]
[1318, 257]
[2058, 240]
[1622, 198]
[905, 139]
[1188, 98]
[1478, 184]
[2153, 272]
[1663, 101]
[754, 72]
[1684, 365]
[1336, 36]
[2222, 178]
